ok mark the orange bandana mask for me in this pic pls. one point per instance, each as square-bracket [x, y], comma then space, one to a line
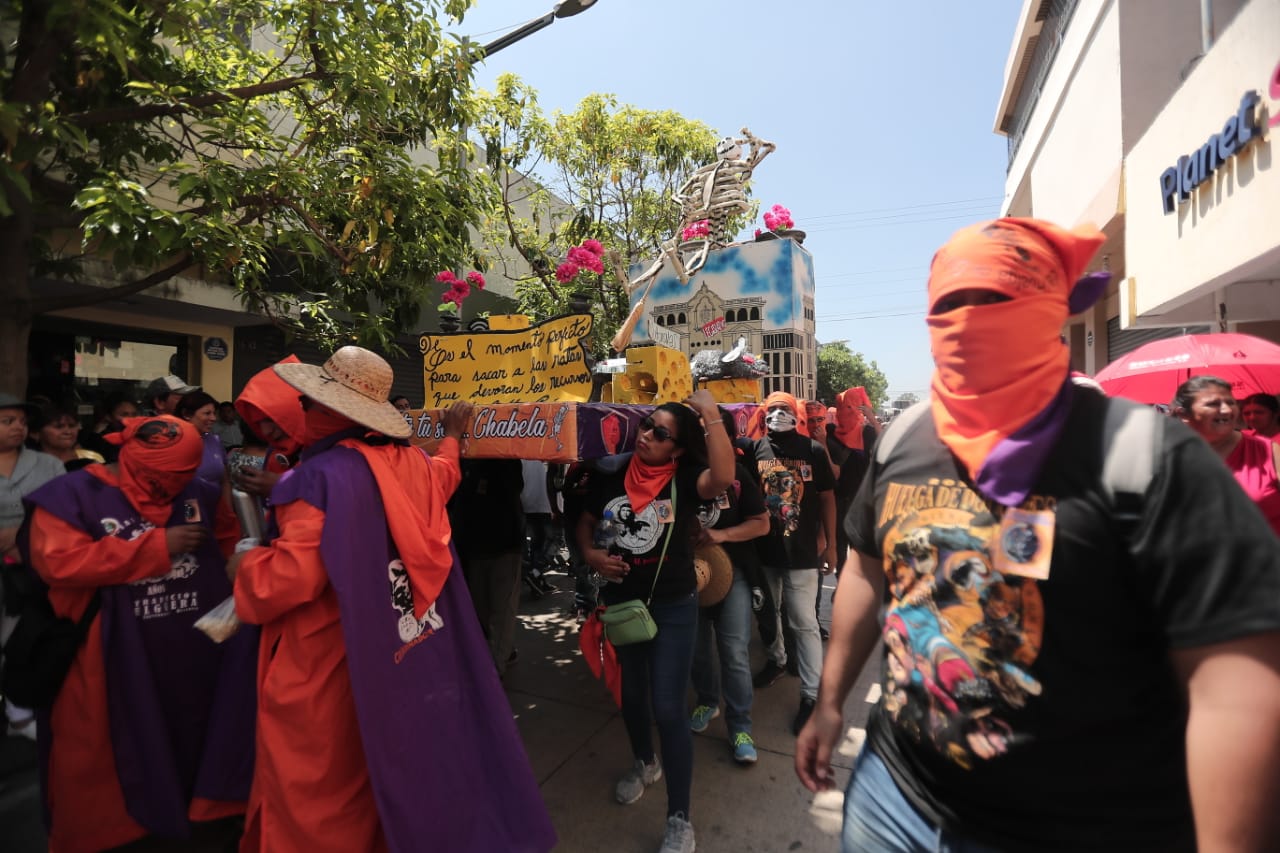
[999, 368]
[849, 419]
[159, 456]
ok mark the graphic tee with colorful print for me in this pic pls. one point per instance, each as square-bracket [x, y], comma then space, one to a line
[792, 470]
[1028, 699]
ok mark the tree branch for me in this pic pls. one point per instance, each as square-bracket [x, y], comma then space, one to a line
[107, 294]
[140, 112]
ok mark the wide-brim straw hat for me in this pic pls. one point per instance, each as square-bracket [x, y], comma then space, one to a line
[353, 382]
[715, 574]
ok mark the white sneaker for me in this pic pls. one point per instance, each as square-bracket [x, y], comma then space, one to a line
[679, 837]
[631, 787]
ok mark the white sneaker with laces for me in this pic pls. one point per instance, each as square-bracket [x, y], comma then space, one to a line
[679, 837]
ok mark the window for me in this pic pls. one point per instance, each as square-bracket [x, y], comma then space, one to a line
[671, 319]
[786, 362]
[658, 319]
[755, 313]
[681, 318]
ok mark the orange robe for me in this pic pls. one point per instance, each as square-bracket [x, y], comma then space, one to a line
[84, 797]
[311, 789]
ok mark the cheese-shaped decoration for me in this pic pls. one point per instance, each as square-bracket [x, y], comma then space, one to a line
[734, 390]
[655, 374]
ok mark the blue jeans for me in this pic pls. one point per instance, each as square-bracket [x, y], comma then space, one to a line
[732, 627]
[877, 817]
[655, 675]
[801, 587]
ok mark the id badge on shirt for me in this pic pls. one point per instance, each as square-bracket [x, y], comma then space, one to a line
[191, 511]
[1024, 544]
[722, 502]
[806, 473]
[663, 508]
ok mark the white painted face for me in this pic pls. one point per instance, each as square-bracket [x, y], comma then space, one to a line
[728, 149]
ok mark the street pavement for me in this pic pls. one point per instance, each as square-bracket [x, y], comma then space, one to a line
[577, 745]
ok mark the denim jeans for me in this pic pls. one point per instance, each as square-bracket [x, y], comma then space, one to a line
[877, 817]
[801, 590]
[732, 627]
[655, 682]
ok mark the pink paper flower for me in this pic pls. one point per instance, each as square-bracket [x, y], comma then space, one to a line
[594, 247]
[566, 272]
[476, 280]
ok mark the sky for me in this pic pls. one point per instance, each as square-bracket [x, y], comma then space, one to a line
[882, 114]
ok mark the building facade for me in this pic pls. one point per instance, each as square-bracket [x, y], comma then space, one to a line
[1101, 98]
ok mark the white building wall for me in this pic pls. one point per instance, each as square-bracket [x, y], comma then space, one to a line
[1227, 232]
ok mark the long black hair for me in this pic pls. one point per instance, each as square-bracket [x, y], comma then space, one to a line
[1185, 396]
[689, 434]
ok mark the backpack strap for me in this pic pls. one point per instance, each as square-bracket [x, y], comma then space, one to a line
[897, 428]
[1131, 450]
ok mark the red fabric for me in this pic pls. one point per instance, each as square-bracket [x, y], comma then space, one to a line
[1253, 463]
[311, 788]
[322, 423]
[415, 489]
[600, 655]
[815, 418]
[849, 418]
[643, 481]
[997, 366]
[85, 800]
[268, 397]
[159, 454]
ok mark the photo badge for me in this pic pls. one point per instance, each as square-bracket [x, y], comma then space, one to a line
[1024, 545]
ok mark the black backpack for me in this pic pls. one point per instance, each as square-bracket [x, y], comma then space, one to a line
[39, 653]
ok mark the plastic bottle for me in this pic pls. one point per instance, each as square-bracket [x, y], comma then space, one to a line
[608, 529]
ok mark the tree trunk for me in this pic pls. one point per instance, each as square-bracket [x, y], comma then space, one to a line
[15, 293]
[14, 335]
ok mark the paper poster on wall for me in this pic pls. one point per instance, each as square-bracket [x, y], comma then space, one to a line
[545, 362]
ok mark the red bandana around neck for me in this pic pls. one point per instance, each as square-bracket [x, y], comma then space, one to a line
[644, 482]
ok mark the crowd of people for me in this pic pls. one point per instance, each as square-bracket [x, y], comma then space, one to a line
[1061, 583]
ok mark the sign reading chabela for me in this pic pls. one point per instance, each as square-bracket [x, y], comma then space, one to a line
[545, 362]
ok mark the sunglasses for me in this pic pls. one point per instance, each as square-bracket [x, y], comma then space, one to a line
[659, 432]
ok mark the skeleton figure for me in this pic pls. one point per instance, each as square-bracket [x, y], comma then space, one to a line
[713, 192]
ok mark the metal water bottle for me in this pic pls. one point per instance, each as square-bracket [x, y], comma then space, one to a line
[249, 511]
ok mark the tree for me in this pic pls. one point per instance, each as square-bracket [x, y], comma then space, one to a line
[265, 144]
[840, 368]
[603, 171]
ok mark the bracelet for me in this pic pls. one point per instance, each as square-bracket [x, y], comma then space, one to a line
[706, 424]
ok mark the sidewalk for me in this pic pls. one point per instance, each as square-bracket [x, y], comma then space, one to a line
[578, 747]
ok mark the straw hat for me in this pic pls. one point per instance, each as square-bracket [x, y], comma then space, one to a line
[715, 574]
[353, 382]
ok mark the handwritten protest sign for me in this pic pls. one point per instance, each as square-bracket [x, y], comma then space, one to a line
[545, 362]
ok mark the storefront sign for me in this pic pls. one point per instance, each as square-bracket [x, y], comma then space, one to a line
[543, 363]
[215, 349]
[1180, 180]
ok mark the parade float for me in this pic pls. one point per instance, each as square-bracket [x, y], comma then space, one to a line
[735, 318]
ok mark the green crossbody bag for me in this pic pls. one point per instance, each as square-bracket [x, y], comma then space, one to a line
[630, 621]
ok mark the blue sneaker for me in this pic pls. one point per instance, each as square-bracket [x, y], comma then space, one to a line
[702, 717]
[744, 749]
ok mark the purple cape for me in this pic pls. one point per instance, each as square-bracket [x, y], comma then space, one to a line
[448, 769]
[181, 708]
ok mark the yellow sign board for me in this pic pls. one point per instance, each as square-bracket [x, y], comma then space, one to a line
[545, 362]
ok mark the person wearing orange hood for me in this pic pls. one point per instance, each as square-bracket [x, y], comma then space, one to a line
[1080, 608]
[271, 410]
[152, 728]
[382, 724]
[795, 476]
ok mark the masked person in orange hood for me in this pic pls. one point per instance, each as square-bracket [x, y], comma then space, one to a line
[851, 432]
[152, 728]
[373, 667]
[271, 410]
[796, 477]
[1057, 593]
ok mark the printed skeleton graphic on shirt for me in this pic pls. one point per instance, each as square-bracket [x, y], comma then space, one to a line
[959, 635]
[408, 625]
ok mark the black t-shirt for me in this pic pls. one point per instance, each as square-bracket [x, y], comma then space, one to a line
[485, 512]
[644, 533]
[1044, 714]
[742, 500]
[792, 469]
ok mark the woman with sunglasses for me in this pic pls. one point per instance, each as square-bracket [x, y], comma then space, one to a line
[655, 492]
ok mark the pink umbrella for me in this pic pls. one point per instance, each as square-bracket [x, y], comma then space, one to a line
[1153, 372]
